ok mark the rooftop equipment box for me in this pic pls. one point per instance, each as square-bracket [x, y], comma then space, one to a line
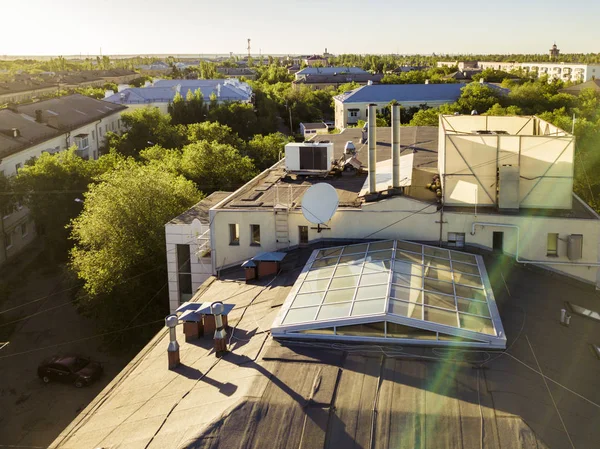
[575, 246]
[308, 157]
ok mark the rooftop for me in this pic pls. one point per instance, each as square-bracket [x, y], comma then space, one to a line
[30, 132]
[578, 88]
[541, 392]
[331, 71]
[319, 125]
[337, 78]
[200, 210]
[273, 186]
[71, 111]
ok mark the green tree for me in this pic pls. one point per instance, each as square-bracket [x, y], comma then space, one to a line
[240, 117]
[214, 132]
[214, 166]
[266, 150]
[120, 232]
[478, 97]
[145, 127]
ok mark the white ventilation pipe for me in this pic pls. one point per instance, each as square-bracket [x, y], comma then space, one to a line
[395, 146]
[372, 148]
[526, 261]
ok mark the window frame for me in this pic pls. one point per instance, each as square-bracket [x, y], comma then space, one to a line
[234, 234]
[253, 241]
[24, 227]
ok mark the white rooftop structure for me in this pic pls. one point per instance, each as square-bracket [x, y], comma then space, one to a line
[393, 291]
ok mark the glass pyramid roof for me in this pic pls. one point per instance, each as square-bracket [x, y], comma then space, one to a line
[393, 290]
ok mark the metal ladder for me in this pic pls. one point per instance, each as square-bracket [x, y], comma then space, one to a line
[282, 235]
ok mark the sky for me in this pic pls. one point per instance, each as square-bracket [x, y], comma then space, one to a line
[71, 27]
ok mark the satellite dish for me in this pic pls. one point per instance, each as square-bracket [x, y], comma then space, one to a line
[319, 203]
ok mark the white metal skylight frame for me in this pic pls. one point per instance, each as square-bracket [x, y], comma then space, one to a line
[390, 257]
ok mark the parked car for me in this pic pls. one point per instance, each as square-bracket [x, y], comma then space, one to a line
[80, 371]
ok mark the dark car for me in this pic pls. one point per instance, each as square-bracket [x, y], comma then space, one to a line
[74, 369]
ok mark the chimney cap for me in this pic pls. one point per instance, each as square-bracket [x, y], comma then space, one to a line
[171, 321]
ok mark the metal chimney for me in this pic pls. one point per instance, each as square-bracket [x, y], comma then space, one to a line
[372, 148]
[396, 146]
[217, 310]
[173, 348]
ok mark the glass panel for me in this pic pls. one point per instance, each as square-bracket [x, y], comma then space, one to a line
[375, 291]
[442, 275]
[407, 280]
[319, 273]
[378, 246]
[438, 286]
[436, 262]
[314, 286]
[310, 299]
[437, 252]
[414, 247]
[408, 268]
[375, 278]
[439, 300]
[405, 309]
[400, 331]
[477, 308]
[324, 262]
[376, 266]
[368, 307]
[353, 259]
[362, 330]
[379, 255]
[476, 324]
[467, 279]
[326, 331]
[465, 268]
[462, 257]
[354, 249]
[334, 311]
[344, 270]
[329, 252]
[454, 338]
[345, 282]
[406, 294]
[300, 315]
[441, 316]
[339, 295]
[469, 292]
[411, 257]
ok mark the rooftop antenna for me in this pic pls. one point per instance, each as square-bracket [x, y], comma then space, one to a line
[319, 204]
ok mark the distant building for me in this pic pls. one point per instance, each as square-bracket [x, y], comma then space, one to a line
[228, 72]
[321, 77]
[578, 88]
[315, 60]
[350, 107]
[309, 130]
[50, 126]
[163, 92]
[554, 52]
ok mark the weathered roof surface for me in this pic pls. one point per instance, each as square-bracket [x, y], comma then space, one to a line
[339, 78]
[542, 392]
[320, 125]
[274, 187]
[71, 111]
[200, 209]
[31, 132]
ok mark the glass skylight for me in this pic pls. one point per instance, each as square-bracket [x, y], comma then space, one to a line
[383, 286]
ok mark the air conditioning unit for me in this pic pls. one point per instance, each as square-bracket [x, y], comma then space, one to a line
[308, 157]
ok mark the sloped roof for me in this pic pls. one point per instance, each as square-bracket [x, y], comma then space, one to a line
[576, 89]
[30, 131]
[71, 111]
[338, 78]
[319, 125]
[384, 93]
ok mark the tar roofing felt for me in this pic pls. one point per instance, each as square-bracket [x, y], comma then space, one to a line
[200, 210]
[541, 392]
[30, 132]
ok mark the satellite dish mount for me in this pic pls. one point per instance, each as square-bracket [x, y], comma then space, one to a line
[319, 204]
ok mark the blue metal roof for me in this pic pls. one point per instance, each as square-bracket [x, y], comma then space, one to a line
[269, 257]
[249, 264]
[384, 93]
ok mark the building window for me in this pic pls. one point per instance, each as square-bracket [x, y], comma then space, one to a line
[18, 167]
[7, 240]
[254, 235]
[456, 239]
[234, 234]
[23, 229]
[99, 132]
[303, 235]
[552, 246]
[119, 124]
[93, 135]
[184, 272]
[353, 113]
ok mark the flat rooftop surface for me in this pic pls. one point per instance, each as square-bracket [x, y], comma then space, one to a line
[541, 392]
[274, 187]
